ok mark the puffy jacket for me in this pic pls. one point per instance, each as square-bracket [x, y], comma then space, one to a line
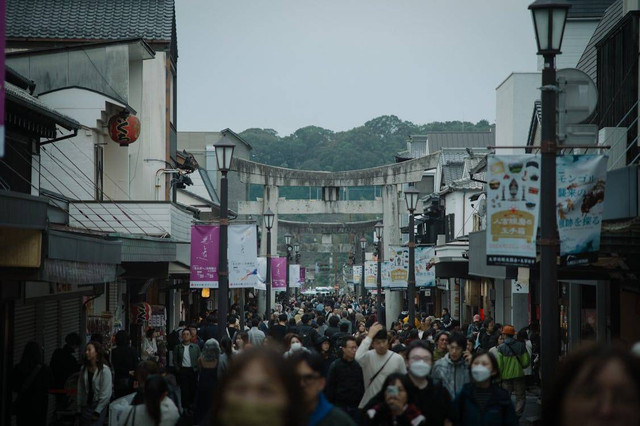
[512, 358]
[452, 375]
[499, 410]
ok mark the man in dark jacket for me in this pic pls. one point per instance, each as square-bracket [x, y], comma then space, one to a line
[447, 321]
[307, 333]
[63, 364]
[345, 383]
[308, 367]
[333, 327]
[210, 330]
[279, 330]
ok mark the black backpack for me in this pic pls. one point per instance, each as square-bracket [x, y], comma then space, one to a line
[173, 339]
[306, 335]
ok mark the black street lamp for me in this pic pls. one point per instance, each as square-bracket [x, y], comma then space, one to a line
[287, 241]
[411, 197]
[363, 293]
[268, 222]
[224, 154]
[296, 249]
[379, 227]
[549, 19]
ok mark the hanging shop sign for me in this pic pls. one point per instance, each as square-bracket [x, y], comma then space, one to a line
[370, 274]
[520, 287]
[385, 271]
[399, 272]
[513, 200]
[294, 276]
[141, 312]
[580, 184]
[425, 267]
[205, 240]
[279, 273]
[243, 254]
[357, 273]
[124, 128]
[261, 278]
[303, 275]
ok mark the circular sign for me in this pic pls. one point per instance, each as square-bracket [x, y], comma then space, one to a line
[124, 128]
[578, 95]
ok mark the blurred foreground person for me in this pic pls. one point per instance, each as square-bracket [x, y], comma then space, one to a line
[595, 386]
[308, 366]
[31, 379]
[260, 389]
[158, 409]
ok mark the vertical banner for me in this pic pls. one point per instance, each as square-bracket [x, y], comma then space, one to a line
[425, 267]
[3, 28]
[294, 276]
[261, 279]
[243, 252]
[513, 200]
[357, 274]
[205, 242]
[399, 273]
[385, 271]
[303, 275]
[279, 273]
[580, 183]
[370, 274]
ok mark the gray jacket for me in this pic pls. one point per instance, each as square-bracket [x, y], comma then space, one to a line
[452, 375]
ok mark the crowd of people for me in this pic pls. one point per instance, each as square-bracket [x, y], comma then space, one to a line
[329, 361]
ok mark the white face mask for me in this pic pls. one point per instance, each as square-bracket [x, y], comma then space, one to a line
[480, 373]
[295, 346]
[420, 369]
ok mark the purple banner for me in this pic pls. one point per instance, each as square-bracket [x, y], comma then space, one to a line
[205, 241]
[279, 273]
[303, 275]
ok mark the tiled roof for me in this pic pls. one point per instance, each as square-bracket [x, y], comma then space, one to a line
[452, 172]
[90, 19]
[589, 60]
[440, 140]
[22, 97]
[588, 8]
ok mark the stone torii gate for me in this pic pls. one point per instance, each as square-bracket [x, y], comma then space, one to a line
[390, 205]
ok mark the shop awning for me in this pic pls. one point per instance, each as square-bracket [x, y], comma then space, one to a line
[478, 259]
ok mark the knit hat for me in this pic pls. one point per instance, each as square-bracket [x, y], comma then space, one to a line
[211, 350]
[509, 330]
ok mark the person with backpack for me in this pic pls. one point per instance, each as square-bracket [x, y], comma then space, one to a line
[512, 359]
[308, 335]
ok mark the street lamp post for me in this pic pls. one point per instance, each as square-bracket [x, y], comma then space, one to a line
[411, 197]
[287, 241]
[268, 222]
[296, 249]
[224, 154]
[363, 293]
[379, 232]
[549, 20]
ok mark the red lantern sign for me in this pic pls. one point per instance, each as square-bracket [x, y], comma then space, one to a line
[140, 312]
[124, 128]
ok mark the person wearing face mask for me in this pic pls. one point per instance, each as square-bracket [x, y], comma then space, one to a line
[482, 402]
[394, 407]
[293, 344]
[431, 398]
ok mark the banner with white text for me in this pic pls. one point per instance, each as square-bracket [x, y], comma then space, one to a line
[205, 241]
[294, 276]
[243, 254]
[370, 274]
[580, 183]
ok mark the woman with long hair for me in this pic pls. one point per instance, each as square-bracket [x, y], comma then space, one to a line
[483, 401]
[158, 409]
[226, 349]
[31, 379]
[94, 386]
[260, 389]
[242, 341]
[293, 344]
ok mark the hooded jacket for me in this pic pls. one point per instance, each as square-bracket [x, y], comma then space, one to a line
[512, 358]
[452, 375]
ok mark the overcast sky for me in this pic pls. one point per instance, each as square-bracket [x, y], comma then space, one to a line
[286, 64]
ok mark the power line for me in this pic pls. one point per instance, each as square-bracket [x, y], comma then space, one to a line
[99, 189]
[38, 189]
[155, 224]
[65, 186]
